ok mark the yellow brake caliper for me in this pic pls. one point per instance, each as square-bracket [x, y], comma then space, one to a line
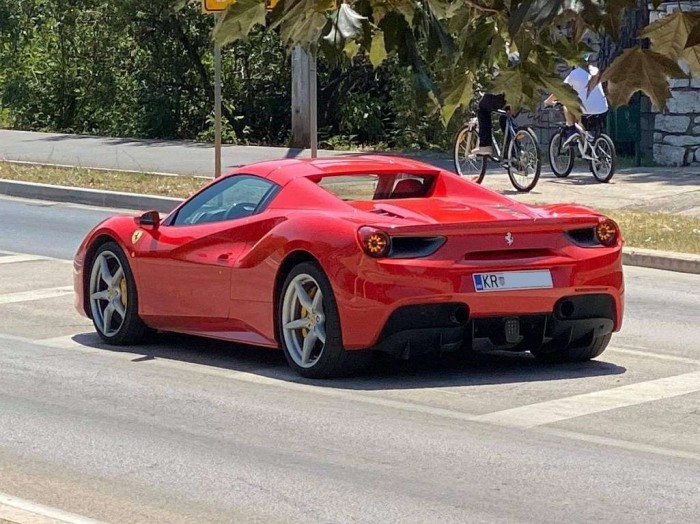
[122, 288]
[305, 313]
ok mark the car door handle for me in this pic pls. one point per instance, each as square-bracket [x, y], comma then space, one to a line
[224, 257]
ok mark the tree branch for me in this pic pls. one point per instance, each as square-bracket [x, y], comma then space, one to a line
[207, 84]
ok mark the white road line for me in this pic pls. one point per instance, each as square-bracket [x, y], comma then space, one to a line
[286, 381]
[617, 443]
[552, 411]
[37, 294]
[651, 354]
[6, 254]
[522, 417]
[22, 511]
[13, 259]
[692, 382]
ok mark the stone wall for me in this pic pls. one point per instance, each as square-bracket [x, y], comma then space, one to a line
[677, 127]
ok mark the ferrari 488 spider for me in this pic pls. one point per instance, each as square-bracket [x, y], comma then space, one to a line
[334, 258]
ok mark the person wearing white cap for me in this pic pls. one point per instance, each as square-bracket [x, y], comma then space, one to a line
[592, 103]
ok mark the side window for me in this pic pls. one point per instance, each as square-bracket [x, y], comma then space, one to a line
[234, 197]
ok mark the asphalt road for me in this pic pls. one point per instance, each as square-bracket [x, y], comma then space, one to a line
[187, 430]
[670, 190]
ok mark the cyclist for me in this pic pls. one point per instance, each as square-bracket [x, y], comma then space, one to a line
[593, 103]
[491, 102]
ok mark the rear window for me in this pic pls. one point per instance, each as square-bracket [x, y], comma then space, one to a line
[377, 187]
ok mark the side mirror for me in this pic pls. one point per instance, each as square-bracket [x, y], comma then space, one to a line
[150, 219]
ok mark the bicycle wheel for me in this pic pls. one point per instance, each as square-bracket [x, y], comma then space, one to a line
[561, 159]
[471, 167]
[603, 163]
[523, 160]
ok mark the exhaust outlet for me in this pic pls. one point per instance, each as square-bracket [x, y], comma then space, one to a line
[566, 309]
[459, 315]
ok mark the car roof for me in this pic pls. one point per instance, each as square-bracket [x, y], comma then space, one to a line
[283, 171]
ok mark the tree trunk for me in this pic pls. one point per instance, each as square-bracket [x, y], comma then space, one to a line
[634, 20]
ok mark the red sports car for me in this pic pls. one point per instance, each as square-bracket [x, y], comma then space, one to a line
[334, 258]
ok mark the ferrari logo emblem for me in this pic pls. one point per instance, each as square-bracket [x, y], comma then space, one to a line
[509, 239]
[136, 236]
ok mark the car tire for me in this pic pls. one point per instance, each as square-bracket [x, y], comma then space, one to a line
[309, 328]
[119, 295]
[574, 353]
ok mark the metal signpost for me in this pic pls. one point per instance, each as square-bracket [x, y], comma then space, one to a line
[215, 7]
[308, 81]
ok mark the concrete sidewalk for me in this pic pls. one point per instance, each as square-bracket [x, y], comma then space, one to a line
[673, 190]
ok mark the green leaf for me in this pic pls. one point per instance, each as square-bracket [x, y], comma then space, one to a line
[694, 36]
[650, 72]
[405, 8]
[238, 19]
[510, 83]
[539, 12]
[669, 34]
[692, 57]
[613, 15]
[303, 21]
[563, 92]
[457, 93]
[377, 52]
[442, 9]
[351, 48]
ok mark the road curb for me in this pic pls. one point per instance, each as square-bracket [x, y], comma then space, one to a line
[667, 260]
[91, 197]
[631, 256]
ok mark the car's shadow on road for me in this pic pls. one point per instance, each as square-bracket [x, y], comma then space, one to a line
[384, 373]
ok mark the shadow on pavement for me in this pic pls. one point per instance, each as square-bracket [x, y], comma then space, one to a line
[384, 373]
[637, 175]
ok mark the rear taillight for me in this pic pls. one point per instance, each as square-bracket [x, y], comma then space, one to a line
[375, 242]
[607, 232]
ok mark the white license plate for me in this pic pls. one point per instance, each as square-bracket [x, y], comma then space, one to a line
[512, 280]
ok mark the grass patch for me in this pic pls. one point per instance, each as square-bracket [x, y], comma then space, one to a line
[640, 229]
[170, 186]
[662, 231]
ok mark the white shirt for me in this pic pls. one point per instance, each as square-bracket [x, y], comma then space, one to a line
[594, 103]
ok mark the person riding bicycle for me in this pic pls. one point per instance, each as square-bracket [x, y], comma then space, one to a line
[489, 103]
[594, 103]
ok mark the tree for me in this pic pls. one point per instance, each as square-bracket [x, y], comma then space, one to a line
[451, 46]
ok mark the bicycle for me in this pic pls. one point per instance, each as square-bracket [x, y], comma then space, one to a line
[522, 158]
[597, 147]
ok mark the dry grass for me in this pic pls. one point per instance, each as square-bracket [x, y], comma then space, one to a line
[640, 229]
[662, 231]
[171, 186]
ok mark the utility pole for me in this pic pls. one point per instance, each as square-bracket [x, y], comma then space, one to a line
[304, 82]
[304, 104]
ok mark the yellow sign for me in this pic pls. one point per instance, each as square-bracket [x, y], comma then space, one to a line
[215, 6]
[136, 236]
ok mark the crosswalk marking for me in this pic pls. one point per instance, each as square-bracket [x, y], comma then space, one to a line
[282, 378]
[557, 410]
[6, 257]
[14, 509]
[652, 354]
[36, 294]
[14, 259]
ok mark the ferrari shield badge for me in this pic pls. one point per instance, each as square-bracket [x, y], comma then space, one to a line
[136, 236]
[509, 238]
